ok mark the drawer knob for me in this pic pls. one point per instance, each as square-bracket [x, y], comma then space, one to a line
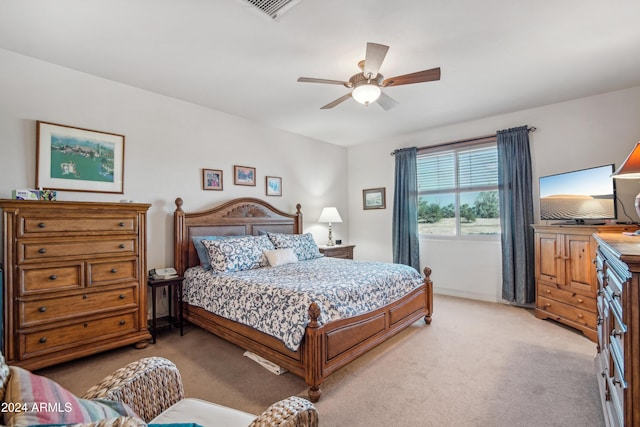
[84, 296]
[547, 304]
[580, 316]
[122, 224]
[122, 246]
[42, 250]
[113, 270]
[580, 300]
[53, 277]
[548, 291]
[41, 225]
[122, 322]
[43, 340]
[86, 325]
[121, 296]
[42, 309]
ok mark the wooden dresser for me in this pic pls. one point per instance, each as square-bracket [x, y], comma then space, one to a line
[618, 357]
[566, 282]
[74, 279]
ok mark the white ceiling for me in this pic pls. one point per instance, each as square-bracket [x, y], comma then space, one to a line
[496, 56]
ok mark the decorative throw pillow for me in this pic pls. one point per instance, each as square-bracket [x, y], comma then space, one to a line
[281, 256]
[4, 376]
[238, 254]
[43, 401]
[302, 244]
[203, 253]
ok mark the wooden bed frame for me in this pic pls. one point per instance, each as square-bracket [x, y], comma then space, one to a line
[324, 348]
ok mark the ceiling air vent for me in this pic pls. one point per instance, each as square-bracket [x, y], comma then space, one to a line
[273, 8]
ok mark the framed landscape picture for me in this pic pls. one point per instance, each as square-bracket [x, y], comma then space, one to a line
[244, 175]
[274, 186]
[211, 179]
[374, 198]
[75, 159]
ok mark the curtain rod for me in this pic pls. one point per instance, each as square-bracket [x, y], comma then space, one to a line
[460, 141]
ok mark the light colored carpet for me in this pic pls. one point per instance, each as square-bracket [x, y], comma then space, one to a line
[477, 364]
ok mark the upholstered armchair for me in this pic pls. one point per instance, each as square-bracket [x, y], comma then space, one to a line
[148, 391]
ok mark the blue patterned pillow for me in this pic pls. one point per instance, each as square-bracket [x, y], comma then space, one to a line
[203, 253]
[302, 244]
[237, 254]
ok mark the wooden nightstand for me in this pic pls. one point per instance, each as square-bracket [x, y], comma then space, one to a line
[175, 288]
[337, 251]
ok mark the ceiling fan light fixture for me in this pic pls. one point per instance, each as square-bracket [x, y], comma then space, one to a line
[366, 93]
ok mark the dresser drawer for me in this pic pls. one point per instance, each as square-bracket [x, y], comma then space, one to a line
[577, 300]
[53, 309]
[51, 249]
[112, 271]
[34, 224]
[72, 335]
[50, 278]
[567, 312]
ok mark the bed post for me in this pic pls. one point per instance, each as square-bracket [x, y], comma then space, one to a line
[313, 354]
[428, 294]
[179, 238]
[298, 220]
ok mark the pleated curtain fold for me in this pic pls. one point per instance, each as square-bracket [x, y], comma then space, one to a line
[406, 248]
[516, 215]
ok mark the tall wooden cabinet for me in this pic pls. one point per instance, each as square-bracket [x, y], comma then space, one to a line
[618, 357]
[566, 281]
[74, 279]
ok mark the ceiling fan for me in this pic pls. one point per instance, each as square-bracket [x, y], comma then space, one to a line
[367, 84]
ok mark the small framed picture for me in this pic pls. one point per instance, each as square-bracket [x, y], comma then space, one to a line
[374, 198]
[244, 175]
[274, 186]
[211, 179]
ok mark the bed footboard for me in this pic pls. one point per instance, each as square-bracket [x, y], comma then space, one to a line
[329, 347]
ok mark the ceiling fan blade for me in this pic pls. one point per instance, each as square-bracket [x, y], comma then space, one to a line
[373, 59]
[337, 101]
[327, 81]
[386, 102]
[418, 77]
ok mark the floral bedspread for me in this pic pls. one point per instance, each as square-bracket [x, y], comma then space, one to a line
[275, 300]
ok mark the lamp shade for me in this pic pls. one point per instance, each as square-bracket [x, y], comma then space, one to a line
[630, 168]
[329, 214]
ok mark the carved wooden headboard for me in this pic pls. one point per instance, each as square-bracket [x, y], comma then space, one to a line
[244, 216]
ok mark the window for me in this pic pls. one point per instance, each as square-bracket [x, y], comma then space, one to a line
[458, 190]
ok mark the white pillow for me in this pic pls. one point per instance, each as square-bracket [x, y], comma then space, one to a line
[280, 256]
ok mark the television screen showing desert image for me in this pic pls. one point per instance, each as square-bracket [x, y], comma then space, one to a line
[584, 194]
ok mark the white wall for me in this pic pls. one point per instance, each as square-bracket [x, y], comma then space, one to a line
[168, 142]
[572, 135]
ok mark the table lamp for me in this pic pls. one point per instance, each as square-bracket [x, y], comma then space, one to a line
[330, 215]
[630, 169]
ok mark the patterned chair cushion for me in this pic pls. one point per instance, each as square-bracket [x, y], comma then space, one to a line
[4, 376]
[43, 401]
[238, 254]
[302, 244]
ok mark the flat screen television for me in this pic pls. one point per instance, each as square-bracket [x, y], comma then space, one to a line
[577, 196]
